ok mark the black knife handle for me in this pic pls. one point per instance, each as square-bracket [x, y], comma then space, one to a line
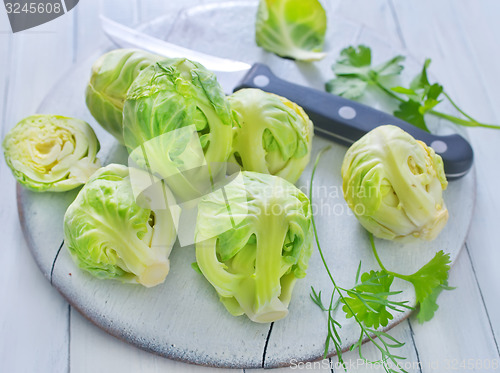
[346, 121]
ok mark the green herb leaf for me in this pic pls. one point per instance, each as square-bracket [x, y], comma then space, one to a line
[368, 299]
[390, 68]
[430, 276]
[429, 306]
[409, 111]
[354, 72]
[428, 281]
[421, 80]
[359, 56]
[422, 98]
[316, 298]
[350, 88]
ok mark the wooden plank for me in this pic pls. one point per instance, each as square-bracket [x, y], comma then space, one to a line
[462, 50]
[109, 354]
[34, 326]
[372, 14]
[151, 10]
[45, 56]
[5, 62]
[482, 245]
[460, 331]
[88, 32]
[123, 11]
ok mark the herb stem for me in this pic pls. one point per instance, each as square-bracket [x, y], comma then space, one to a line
[456, 107]
[387, 91]
[469, 122]
[463, 122]
[375, 253]
[314, 222]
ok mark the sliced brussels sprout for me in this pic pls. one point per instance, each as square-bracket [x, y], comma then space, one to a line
[273, 135]
[111, 77]
[51, 153]
[292, 28]
[110, 236]
[394, 185]
[179, 95]
[253, 242]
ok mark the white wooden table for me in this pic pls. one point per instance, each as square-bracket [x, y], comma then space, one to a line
[40, 332]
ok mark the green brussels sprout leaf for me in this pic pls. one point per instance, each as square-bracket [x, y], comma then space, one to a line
[394, 185]
[111, 77]
[110, 236]
[273, 135]
[292, 28]
[253, 241]
[51, 152]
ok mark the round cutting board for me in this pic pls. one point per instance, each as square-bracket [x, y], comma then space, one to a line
[182, 319]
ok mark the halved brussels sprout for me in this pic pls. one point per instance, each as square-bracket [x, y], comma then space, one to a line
[253, 242]
[273, 135]
[394, 185]
[179, 95]
[51, 153]
[292, 28]
[109, 235]
[112, 75]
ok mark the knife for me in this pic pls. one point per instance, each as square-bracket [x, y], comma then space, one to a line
[335, 118]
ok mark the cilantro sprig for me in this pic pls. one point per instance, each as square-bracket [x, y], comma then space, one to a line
[355, 73]
[369, 301]
[428, 281]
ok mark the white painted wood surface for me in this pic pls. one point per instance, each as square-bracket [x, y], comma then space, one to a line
[35, 331]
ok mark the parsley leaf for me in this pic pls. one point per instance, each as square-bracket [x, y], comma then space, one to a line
[347, 87]
[430, 276]
[356, 57]
[355, 73]
[429, 306]
[366, 300]
[409, 112]
[422, 98]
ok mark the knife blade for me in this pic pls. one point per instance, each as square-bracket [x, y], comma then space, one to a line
[336, 118]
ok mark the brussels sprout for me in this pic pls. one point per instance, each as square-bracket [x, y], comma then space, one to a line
[253, 243]
[112, 76]
[51, 152]
[394, 185]
[273, 135]
[179, 95]
[109, 235]
[291, 28]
